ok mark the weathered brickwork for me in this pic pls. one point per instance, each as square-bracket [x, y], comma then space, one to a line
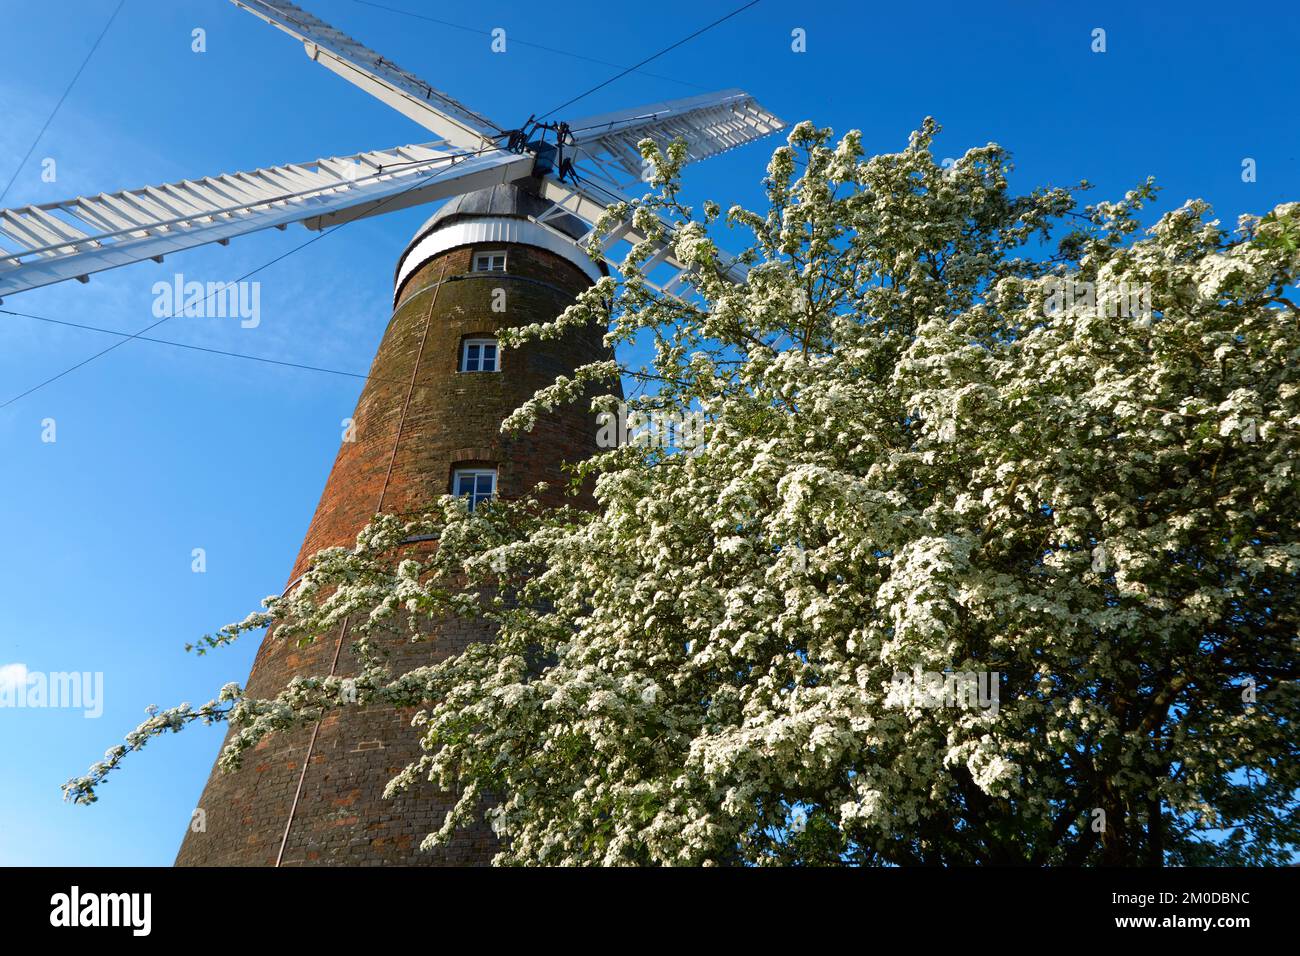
[450, 419]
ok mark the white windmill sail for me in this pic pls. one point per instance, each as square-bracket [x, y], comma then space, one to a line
[709, 124]
[606, 160]
[663, 271]
[48, 243]
[603, 147]
[51, 242]
[386, 81]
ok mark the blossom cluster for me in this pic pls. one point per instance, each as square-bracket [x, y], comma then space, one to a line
[909, 464]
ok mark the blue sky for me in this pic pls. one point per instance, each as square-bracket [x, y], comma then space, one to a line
[160, 451]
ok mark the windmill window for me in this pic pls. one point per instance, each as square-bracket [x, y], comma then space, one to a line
[474, 485]
[490, 261]
[479, 355]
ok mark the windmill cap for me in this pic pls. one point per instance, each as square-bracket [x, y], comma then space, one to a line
[502, 200]
[500, 214]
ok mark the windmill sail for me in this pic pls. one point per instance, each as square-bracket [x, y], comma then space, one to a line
[710, 124]
[361, 66]
[51, 242]
[608, 162]
[48, 243]
[663, 271]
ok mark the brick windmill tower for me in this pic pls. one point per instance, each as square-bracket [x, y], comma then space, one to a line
[427, 423]
[510, 248]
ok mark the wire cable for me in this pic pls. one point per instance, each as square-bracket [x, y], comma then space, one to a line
[656, 56]
[197, 348]
[267, 265]
[50, 118]
[325, 233]
[536, 46]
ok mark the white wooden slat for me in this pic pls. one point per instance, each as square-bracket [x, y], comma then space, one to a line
[588, 204]
[147, 210]
[234, 193]
[96, 209]
[179, 194]
[386, 81]
[41, 246]
[709, 124]
[168, 203]
[17, 230]
[212, 194]
[56, 226]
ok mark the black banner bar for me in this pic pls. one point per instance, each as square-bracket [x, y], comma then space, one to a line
[230, 906]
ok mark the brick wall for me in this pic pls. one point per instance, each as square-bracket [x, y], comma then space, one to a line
[451, 418]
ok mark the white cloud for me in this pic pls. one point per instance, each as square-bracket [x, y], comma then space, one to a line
[13, 676]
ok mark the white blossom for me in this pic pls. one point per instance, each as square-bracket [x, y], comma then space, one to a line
[909, 465]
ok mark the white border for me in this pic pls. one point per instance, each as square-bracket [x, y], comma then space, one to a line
[490, 230]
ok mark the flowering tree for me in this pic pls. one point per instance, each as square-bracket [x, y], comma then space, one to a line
[949, 434]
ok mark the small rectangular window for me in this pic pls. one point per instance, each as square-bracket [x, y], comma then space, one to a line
[475, 485]
[479, 355]
[490, 261]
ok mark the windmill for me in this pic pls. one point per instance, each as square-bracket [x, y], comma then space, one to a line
[523, 204]
[579, 168]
